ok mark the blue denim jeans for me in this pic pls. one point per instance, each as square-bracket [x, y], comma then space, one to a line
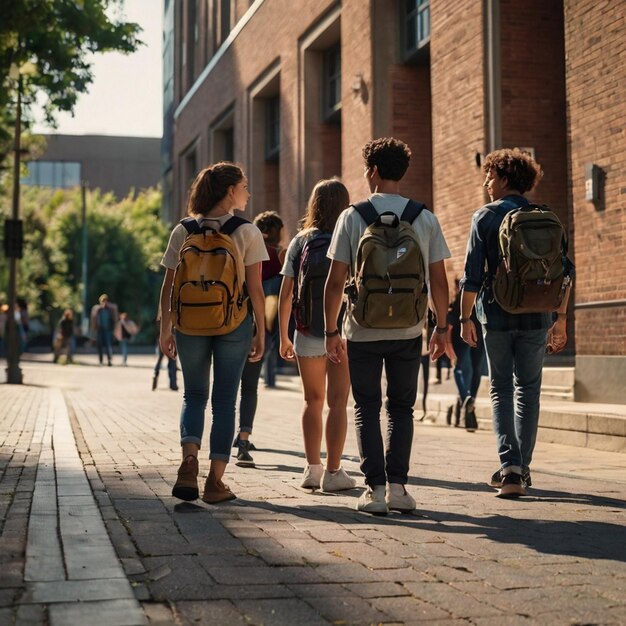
[105, 344]
[388, 462]
[515, 359]
[228, 354]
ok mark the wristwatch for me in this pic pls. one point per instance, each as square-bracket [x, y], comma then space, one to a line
[464, 320]
[331, 333]
[441, 330]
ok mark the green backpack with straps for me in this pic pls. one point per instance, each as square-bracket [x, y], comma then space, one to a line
[530, 277]
[388, 287]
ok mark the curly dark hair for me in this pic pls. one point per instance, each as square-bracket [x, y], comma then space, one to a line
[270, 223]
[391, 157]
[328, 199]
[211, 185]
[521, 171]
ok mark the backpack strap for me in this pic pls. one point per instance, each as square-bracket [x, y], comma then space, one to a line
[366, 210]
[412, 211]
[231, 225]
[191, 225]
[228, 228]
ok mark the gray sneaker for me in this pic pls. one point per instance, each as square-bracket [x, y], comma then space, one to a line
[373, 501]
[337, 481]
[398, 499]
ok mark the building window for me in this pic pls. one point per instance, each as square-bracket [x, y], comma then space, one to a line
[417, 25]
[225, 12]
[332, 83]
[272, 128]
[58, 174]
[228, 137]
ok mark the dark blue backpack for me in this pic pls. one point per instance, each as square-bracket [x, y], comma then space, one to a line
[311, 274]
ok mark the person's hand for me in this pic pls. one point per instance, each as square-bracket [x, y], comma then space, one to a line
[258, 347]
[335, 349]
[440, 344]
[469, 334]
[167, 343]
[286, 350]
[557, 335]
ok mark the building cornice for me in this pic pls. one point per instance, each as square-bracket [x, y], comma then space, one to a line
[215, 59]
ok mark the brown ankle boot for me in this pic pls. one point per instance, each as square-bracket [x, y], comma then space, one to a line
[186, 486]
[216, 491]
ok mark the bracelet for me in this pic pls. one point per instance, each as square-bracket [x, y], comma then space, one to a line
[331, 333]
[464, 320]
[441, 330]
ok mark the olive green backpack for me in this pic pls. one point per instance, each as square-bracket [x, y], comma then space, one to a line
[533, 247]
[388, 287]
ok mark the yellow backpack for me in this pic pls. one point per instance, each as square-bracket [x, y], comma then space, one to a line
[208, 294]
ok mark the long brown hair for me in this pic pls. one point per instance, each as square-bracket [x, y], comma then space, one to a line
[211, 185]
[328, 199]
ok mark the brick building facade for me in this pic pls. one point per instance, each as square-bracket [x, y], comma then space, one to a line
[293, 89]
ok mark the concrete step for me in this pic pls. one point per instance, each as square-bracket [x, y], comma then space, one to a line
[597, 426]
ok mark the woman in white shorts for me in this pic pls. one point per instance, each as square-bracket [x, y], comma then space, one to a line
[322, 381]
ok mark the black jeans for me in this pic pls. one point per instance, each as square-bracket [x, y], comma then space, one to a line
[401, 359]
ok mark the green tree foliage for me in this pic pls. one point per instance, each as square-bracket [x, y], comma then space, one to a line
[126, 240]
[50, 42]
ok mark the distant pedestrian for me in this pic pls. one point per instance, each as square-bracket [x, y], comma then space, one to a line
[323, 381]
[104, 317]
[124, 331]
[515, 342]
[64, 339]
[468, 368]
[271, 225]
[383, 245]
[236, 247]
[172, 369]
[4, 309]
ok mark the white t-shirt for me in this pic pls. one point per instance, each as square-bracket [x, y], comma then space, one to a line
[345, 242]
[248, 240]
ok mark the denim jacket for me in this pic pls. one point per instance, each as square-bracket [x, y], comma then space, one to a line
[481, 261]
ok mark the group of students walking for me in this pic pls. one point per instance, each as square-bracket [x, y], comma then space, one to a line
[350, 326]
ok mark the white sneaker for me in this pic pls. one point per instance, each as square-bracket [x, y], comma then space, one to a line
[312, 477]
[337, 481]
[372, 501]
[398, 499]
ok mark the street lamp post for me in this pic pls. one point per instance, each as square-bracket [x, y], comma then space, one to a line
[13, 245]
[85, 318]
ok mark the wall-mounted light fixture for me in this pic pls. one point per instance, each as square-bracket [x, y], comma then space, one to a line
[359, 88]
[593, 177]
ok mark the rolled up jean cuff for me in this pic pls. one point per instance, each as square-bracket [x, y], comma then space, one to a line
[216, 456]
[190, 439]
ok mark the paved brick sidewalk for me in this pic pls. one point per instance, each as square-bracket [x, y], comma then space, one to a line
[277, 554]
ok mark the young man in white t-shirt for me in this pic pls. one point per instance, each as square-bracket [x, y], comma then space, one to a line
[385, 465]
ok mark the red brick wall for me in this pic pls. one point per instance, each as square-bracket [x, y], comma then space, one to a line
[595, 48]
[533, 92]
[410, 113]
[457, 86]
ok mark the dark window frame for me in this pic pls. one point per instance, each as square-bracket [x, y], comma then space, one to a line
[415, 28]
[272, 128]
[331, 84]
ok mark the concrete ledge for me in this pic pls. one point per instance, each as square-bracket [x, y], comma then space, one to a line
[598, 426]
[600, 379]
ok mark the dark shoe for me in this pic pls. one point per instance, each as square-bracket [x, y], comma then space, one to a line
[216, 491]
[243, 456]
[496, 479]
[174, 388]
[512, 486]
[469, 417]
[457, 412]
[251, 446]
[186, 486]
[155, 380]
